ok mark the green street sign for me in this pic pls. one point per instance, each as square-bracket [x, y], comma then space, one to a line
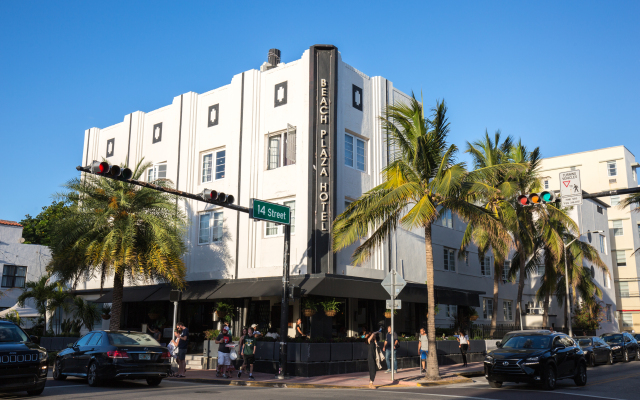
[260, 209]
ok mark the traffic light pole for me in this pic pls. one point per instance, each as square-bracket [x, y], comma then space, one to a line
[611, 193]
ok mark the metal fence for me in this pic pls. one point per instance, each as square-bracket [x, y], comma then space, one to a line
[484, 331]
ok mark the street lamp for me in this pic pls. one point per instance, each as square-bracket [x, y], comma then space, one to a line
[566, 279]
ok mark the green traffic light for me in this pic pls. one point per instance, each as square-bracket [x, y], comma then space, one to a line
[546, 196]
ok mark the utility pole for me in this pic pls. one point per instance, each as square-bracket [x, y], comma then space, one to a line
[284, 312]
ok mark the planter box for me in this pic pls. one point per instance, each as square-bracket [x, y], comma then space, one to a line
[407, 349]
[341, 352]
[264, 350]
[360, 351]
[56, 343]
[447, 347]
[478, 346]
[315, 352]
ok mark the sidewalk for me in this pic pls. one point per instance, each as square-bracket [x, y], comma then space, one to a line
[410, 377]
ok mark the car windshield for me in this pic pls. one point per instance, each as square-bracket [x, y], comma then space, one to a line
[637, 337]
[11, 333]
[584, 342]
[132, 339]
[612, 338]
[528, 342]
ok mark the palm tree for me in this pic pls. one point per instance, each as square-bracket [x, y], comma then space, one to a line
[86, 311]
[114, 228]
[633, 199]
[422, 177]
[47, 296]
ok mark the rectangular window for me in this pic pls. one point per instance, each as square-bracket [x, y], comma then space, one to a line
[207, 167]
[275, 229]
[621, 259]
[540, 270]
[599, 209]
[13, 276]
[602, 244]
[609, 316]
[623, 288]
[505, 270]
[281, 149]
[157, 171]
[615, 200]
[449, 259]
[546, 184]
[627, 320]
[208, 172]
[611, 168]
[605, 279]
[487, 308]
[354, 152]
[210, 227]
[205, 228]
[507, 310]
[216, 229]
[485, 266]
[274, 152]
[617, 228]
[445, 218]
[220, 163]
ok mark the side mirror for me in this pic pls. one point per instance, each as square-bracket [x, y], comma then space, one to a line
[559, 346]
[498, 344]
[35, 339]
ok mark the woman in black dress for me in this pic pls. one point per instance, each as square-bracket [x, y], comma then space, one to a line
[371, 338]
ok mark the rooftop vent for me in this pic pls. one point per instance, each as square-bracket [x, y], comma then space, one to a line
[274, 57]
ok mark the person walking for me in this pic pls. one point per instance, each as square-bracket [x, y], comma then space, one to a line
[248, 351]
[390, 346]
[183, 342]
[224, 358]
[299, 330]
[372, 346]
[423, 349]
[243, 365]
[464, 346]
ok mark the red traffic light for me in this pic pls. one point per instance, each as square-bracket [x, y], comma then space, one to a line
[219, 197]
[111, 171]
[523, 200]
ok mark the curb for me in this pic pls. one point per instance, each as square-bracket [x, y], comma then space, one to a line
[472, 374]
[281, 385]
[444, 383]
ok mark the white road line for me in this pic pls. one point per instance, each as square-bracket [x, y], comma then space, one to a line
[539, 391]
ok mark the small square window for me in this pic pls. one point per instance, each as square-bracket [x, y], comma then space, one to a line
[452, 311]
[615, 200]
[546, 184]
[158, 171]
[210, 227]
[611, 168]
[627, 320]
[599, 209]
[618, 230]
[13, 276]
[621, 259]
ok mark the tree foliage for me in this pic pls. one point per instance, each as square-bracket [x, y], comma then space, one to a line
[38, 230]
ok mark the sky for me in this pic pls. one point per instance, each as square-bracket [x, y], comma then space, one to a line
[562, 75]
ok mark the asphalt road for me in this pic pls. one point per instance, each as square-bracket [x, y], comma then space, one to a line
[613, 382]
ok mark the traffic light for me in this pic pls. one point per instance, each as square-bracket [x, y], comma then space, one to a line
[111, 171]
[218, 197]
[533, 199]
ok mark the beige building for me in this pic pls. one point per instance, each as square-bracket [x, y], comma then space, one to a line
[601, 170]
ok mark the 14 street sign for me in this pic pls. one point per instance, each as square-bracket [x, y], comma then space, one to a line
[271, 212]
[570, 188]
[399, 284]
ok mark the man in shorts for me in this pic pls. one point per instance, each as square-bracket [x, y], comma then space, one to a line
[248, 352]
[224, 359]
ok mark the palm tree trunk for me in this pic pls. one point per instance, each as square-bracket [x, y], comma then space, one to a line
[116, 305]
[496, 288]
[433, 372]
[545, 315]
[523, 263]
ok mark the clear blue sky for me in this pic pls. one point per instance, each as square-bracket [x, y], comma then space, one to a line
[562, 75]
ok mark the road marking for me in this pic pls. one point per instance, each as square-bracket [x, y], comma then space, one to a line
[541, 391]
[612, 380]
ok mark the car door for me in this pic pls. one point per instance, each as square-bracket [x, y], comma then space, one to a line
[572, 354]
[599, 350]
[87, 351]
[81, 357]
[560, 354]
[71, 363]
[628, 345]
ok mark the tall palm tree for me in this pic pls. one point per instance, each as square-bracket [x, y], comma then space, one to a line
[117, 229]
[422, 177]
[632, 200]
[500, 189]
[46, 295]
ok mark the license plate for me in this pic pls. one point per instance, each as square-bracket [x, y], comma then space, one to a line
[144, 357]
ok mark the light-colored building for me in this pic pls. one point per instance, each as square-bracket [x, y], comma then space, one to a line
[607, 169]
[19, 264]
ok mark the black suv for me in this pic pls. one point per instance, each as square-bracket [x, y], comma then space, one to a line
[623, 346]
[23, 364]
[536, 357]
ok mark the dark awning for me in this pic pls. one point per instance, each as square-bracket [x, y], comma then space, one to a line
[201, 290]
[131, 294]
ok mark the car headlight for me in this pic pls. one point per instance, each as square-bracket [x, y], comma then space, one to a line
[488, 359]
[615, 347]
[532, 360]
[43, 355]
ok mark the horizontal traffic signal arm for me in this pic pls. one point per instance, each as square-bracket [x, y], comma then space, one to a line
[103, 169]
[611, 193]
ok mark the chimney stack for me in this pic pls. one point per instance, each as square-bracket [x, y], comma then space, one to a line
[274, 57]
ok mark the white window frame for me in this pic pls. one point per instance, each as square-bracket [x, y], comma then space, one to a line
[612, 171]
[449, 259]
[215, 215]
[505, 270]
[214, 166]
[279, 229]
[624, 292]
[615, 200]
[606, 280]
[617, 230]
[16, 277]
[603, 244]
[484, 269]
[355, 140]
[445, 218]
[507, 310]
[285, 148]
[624, 258]
[154, 169]
[627, 320]
[546, 184]
[451, 310]
[487, 308]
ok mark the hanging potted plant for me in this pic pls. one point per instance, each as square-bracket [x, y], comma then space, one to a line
[309, 307]
[106, 312]
[154, 312]
[387, 313]
[331, 307]
[223, 310]
[473, 314]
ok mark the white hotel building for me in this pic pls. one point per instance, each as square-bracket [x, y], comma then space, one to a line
[306, 134]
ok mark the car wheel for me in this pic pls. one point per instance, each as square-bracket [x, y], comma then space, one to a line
[154, 381]
[36, 392]
[495, 385]
[92, 375]
[626, 356]
[549, 377]
[592, 361]
[610, 359]
[581, 375]
[638, 354]
[57, 371]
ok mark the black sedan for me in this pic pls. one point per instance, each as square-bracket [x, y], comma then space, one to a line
[534, 357]
[596, 351]
[623, 345]
[23, 364]
[105, 355]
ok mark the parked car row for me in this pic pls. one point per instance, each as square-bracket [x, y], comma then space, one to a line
[544, 357]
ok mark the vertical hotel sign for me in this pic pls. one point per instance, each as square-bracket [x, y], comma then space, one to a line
[324, 76]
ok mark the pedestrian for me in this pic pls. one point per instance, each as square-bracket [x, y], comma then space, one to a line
[551, 329]
[183, 342]
[464, 346]
[372, 345]
[299, 330]
[245, 332]
[173, 350]
[248, 351]
[224, 359]
[390, 346]
[423, 349]
[226, 323]
[256, 332]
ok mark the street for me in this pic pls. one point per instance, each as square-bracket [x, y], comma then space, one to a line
[618, 381]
